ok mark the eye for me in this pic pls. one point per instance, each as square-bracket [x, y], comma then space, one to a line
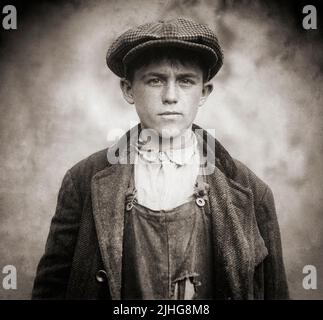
[186, 82]
[154, 82]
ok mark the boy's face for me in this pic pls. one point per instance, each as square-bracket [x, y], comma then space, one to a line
[167, 96]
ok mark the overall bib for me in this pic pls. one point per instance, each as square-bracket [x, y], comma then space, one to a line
[167, 254]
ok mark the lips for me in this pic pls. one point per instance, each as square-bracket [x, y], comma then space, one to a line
[170, 113]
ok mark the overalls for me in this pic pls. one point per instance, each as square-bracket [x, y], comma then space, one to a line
[167, 254]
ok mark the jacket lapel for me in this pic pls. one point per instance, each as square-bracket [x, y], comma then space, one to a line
[109, 187]
[230, 226]
[238, 245]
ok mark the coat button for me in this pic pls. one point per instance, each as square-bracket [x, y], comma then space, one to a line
[101, 276]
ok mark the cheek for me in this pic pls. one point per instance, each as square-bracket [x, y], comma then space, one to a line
[146, 105]
[191, 103]
[146, 99]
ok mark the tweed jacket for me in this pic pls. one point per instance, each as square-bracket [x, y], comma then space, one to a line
[84, 249]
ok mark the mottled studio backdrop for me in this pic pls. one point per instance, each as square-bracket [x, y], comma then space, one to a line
[59, 101]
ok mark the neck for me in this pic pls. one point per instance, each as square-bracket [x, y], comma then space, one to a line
[150, 140]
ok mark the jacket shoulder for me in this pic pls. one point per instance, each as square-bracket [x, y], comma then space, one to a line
[83, 171]
[94, 161]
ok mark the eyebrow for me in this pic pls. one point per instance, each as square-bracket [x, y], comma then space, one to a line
[164, 75]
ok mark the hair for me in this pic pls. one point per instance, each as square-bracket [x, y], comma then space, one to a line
[172, 54]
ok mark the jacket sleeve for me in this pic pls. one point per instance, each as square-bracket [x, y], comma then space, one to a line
[272, 270]
[54, 267]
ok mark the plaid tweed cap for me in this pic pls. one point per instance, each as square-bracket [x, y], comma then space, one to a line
[178, 33]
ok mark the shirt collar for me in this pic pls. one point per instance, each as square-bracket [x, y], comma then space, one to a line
[179, 156]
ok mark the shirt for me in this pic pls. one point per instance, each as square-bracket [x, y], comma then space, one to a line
[165, 179]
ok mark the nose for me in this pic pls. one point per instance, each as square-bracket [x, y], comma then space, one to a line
[170, 93]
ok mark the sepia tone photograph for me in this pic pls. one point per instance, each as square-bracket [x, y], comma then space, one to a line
[161, 150]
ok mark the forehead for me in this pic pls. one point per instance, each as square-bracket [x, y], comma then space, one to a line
[170, 66]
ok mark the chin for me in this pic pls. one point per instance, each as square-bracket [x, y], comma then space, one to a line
[170, 132]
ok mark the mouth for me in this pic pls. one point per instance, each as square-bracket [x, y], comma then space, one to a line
[170, 113]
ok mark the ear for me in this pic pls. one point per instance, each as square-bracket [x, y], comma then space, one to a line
[207, 89]
[126, 88]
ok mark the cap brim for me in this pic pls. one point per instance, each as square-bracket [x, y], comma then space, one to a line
[212, 58]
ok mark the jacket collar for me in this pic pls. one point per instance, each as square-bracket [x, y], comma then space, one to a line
[212, 153]
[235, 232]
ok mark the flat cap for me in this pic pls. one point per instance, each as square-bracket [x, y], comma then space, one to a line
[178, 33]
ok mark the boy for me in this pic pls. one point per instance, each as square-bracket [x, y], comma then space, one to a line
[165, 213]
